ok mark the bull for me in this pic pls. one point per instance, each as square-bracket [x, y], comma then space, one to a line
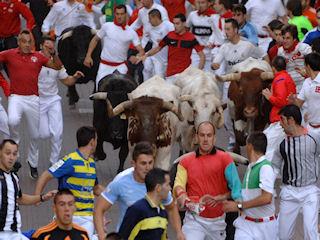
[248, 108]
[72, 48]
[113, 90]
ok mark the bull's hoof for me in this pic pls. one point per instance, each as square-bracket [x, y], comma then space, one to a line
[100, 156]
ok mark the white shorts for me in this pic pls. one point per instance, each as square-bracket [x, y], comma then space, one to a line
[105, 70]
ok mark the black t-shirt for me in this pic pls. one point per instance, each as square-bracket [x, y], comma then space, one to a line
[53, 232]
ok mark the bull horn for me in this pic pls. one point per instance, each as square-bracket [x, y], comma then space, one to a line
[120, 108]
[98, 96]
[93, 31]
[229, 77]
[185, 98]
[66, 35]
[238, 158]
[171, 107]
[266, 75]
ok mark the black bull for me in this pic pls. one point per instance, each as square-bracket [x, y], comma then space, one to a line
[114, 129]
[72, 51]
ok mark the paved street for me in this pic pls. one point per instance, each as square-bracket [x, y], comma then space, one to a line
[34, 217]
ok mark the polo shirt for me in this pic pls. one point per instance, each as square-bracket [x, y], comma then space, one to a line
[179, 51]
[77, 174]
[303, 25]
[23, 70]
[144, 220]
[249, 32]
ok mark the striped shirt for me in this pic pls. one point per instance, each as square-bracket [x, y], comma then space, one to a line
[298, 158]
[79, 175]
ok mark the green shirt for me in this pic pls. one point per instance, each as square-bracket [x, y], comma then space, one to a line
[303, 25]
[108, 8]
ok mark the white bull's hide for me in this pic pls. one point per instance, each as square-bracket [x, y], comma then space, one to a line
[251, 63]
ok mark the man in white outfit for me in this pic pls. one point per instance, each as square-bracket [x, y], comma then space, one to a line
[51, 121]
[116, 37]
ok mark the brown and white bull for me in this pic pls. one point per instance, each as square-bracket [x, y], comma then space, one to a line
[248, 109]
[200, 101]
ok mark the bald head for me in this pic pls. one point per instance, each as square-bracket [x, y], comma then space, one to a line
[206, 137]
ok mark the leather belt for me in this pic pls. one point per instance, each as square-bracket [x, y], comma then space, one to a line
[260, 220]
[314, 125]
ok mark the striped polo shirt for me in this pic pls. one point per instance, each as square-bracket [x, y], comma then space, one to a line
[298, 158]
[79, 175]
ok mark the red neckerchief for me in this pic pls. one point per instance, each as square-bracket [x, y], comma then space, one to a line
[208, 12]
[292, 48]
[226, 15]
[123, 26]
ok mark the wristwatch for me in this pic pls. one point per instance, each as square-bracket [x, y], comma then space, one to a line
[239, 205]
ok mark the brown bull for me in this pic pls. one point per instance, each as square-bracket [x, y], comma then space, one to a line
[248, 109]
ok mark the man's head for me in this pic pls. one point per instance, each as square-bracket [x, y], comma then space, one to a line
[220, 6]
[294, 8]
[279, 64]
[63, 207]
[276, 26]
[25, 41]
[231, 29]
[158, 180]
[147, 3]
[256, 143]
[203, 5]
[120, 14]
[289, 35]
[179, 22]
[240, 14]
[206, 137]
[155, 17]
[87, 137]
[305, 4]
[312, 62]
[8, 154]
[47, 45]
[142, 159]
[290, 118]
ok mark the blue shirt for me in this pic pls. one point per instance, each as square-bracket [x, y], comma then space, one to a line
[126, 191]
[249, 32]
[311, 35]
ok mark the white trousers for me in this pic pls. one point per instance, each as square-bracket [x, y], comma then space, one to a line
[4, 127]
[87, 223]
[9, 235]
[51, 124]
[247, 230]
[105, 70]
[199, 228]
[275, 134]
[292, 201]
[195, 60]
[153, 66]
[29, 106]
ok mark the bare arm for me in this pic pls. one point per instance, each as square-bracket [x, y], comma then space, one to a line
[42, 182]
[27, 199]
[97, 190]
[100, 208]
[71, 80]
[174, 218]
[93, 43]
[202, 59]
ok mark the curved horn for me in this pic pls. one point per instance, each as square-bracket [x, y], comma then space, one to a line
[98, 96]
[186, 97]
[171, 107]
[266, 75]
[66, 35]
[122, 107]
[229, 77]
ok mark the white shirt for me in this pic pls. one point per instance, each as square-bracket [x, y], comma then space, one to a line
[261, 12]
[310, 93]
[143, 19]
[232, 54]
[47, 81]
[156, 34]
[116, 42]
[63, 15]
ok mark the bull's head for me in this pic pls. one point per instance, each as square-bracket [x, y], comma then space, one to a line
[245, 90]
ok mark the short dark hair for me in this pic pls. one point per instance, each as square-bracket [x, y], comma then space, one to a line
[279, 63]
[295, 7]
[275, 24]
[113, 236]
[181, 16]
[142, 148]
[239, 8]
[155, 176]
[259, 142]
[155, 13]
[292, 111]
[121, 6]
[226, 3]
[233, 22]
[292, 29]
[4, 141]
[84, 135]
[315, 45]
[25, 31]
[61, 192]
[313, 60]
[46, 38]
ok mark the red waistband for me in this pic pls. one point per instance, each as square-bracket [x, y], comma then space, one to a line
[259, 220]
[314, 125]
[114, 64]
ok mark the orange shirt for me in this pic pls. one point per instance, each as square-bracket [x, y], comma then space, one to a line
[311, 14]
